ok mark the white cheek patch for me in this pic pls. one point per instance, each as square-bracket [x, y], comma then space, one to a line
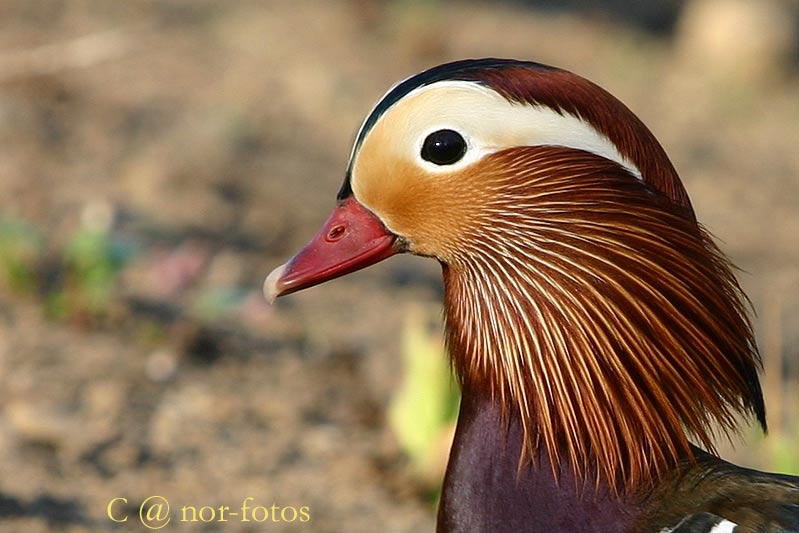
[489, 123]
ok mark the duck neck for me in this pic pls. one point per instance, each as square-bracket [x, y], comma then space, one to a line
[486, 490]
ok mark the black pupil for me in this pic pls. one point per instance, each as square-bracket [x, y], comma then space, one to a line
[443, 147]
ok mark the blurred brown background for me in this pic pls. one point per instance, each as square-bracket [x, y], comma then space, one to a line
[158, 159]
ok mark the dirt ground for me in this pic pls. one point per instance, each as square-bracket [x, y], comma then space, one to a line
[204, 143]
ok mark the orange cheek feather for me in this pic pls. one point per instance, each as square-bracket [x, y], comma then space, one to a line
[431, 211]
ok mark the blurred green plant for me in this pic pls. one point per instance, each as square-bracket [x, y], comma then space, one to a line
[785, 456]
[92, 261]
[21, 245]
[82, 275]
[423, 412]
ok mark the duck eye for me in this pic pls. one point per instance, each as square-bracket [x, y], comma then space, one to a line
[443, 147]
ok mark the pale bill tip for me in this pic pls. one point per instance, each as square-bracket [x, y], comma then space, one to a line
[271, 289]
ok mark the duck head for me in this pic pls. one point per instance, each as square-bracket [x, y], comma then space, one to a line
[580, 292]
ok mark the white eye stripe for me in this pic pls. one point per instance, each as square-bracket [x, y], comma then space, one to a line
[489, 123]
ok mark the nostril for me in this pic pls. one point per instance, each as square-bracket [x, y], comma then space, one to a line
[336, 233]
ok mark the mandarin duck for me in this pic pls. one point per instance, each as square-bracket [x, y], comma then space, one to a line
[593, 324]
